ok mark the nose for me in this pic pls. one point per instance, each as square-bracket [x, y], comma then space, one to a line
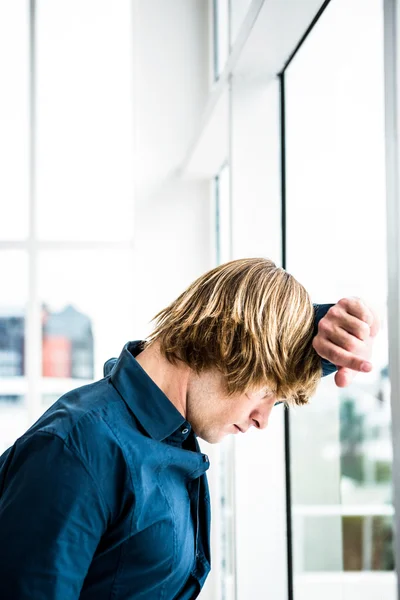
[260, 422]
[260, 417]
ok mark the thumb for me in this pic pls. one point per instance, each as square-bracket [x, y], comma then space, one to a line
[344, 376]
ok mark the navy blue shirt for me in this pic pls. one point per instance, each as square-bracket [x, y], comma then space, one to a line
[106, 496]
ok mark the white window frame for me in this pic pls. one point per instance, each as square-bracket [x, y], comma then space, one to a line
[392, 110]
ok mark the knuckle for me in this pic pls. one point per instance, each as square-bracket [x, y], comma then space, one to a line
[344, 302]
[316, 344]
[367, 317]
[351, 345]
[363, 331]
[323, 326]
[333, 311]
[334, 355]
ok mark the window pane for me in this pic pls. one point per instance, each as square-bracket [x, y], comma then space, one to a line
[13, 422]
[14, 272]
[336, 232]
[87, 300]
[223, 220]
[312, 532]
[49, 399]
[221, 35]
[367, 540]
[368, 543]
[13, 384]
[14, 119]
[84, 120]
[227, 520]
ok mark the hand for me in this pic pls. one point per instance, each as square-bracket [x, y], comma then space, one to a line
[345, 338]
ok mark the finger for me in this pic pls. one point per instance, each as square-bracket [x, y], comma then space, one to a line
[345, 340]
[357, 308]
[343, 377]
[340, 357]
[376, 324]
[338, 317]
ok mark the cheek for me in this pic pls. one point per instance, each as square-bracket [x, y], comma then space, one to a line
[239, 409]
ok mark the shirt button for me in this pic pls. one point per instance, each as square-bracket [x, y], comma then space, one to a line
[205, 458]
[184, 431]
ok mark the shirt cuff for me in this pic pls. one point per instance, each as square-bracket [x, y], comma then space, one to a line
[320, 311]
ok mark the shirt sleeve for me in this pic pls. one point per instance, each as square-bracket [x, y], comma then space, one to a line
[320, 311]
[52, 516]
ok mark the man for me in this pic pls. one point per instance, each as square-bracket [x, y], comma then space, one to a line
[106, 495]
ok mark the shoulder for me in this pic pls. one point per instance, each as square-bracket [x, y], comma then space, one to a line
[84, 423]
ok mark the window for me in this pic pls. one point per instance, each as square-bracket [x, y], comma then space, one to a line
[14, 120]
[67, 228]
[223, 215]
[84, 143]
[222, 481]
[341, 445]
[221, 35]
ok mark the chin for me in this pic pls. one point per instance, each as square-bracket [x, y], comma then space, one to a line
[211, 437]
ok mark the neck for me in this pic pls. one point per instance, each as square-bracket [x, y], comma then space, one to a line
[171, 379]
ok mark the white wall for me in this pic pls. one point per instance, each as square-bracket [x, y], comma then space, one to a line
[172, 218]
[260, 503]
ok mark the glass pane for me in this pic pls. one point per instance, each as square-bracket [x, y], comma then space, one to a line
[84, 120]
[224, 469]
[368, 543]
[13, 421]
[227, 520]
[13, 384]
[14, 119]
[49, 399]
[223, 220]
[87, 300]
[221, 35]
[312, 532]
[336, 232]
[14, 272]
[315, 451]
[11, 399]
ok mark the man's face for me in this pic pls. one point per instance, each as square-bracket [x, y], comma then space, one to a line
[213, 415]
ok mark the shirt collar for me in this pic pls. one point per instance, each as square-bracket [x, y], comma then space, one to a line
[155, 412]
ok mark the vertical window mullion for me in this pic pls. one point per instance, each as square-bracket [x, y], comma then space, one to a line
[289, 533]
[33, 353]
[392, 110]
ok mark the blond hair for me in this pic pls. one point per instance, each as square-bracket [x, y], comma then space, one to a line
[253, 322]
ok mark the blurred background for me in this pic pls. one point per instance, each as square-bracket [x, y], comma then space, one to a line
[143, 142]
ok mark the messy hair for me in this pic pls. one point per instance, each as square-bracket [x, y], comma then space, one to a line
[253, 322]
